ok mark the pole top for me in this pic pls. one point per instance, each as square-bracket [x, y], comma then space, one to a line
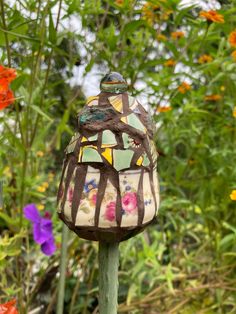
[113, 82]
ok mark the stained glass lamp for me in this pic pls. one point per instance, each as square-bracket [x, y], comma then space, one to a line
[109, 186]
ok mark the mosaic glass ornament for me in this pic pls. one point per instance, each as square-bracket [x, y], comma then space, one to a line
[109, 187]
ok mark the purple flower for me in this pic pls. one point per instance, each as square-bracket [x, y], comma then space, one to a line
[42, 229]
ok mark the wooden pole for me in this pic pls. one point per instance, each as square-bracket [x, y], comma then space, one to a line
[108, 277]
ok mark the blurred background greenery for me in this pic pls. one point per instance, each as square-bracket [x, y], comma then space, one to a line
[179, 59]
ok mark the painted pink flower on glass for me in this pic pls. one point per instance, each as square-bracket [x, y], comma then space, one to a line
[110, 212]
[70, 195]
[129, 202]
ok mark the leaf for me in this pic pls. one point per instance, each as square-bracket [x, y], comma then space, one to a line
[20, 35]
[228, 240]
[19, 81]
[229, 227]
[131, 293]
[183, 12]
[13, 140]
[10, 221]
[11, 246]
[89, 65]
[132, 26]
[52, 31]
[38, 110]
[169, 277]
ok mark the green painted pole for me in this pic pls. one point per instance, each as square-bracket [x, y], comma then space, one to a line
[108, 277]
[63, 260]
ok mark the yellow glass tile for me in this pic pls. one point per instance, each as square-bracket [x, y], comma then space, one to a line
[80, 154]
[108, 155]
[84, 139]
[139, 161]
[116, 102]
[124, 119]
[92, 101]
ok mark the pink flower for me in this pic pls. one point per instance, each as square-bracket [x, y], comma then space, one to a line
[129, 202]
[70, 195]
[94, 198]
[110, 212]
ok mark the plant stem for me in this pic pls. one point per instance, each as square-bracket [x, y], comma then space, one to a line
[77, 286]
[108, 277]
[46, 77]
[5, 34]
[61, 284]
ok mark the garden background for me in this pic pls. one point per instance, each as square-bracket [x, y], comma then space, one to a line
[179, 59]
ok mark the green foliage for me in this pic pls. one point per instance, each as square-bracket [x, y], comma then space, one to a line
[184, 263]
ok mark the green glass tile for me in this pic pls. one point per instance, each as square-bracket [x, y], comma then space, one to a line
[93, 138]
[134, 121]
[131, 101]
[70, 148]
[122, 158]
[119, 87]
[146, 161]
[108, 138]
[91, 155]
[126, 140]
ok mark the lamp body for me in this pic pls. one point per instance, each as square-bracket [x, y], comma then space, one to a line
[109, 186]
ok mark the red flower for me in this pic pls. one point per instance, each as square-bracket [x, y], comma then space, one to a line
[6, 98]
[8, 308]
[7, 75]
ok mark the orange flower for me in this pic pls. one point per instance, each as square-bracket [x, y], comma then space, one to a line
[8, 308]
[233, 54]
[177, 35]
[205, 59]
[165, 15]
[6, 98]
[232, 38]
[149, 10]
[164, 109]
[213, 97]
[119, 2]
[152, 12]
[7, 75]
[212, 16]
[234, 112]
[161, 37]
[170, 63]
[184, 87]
